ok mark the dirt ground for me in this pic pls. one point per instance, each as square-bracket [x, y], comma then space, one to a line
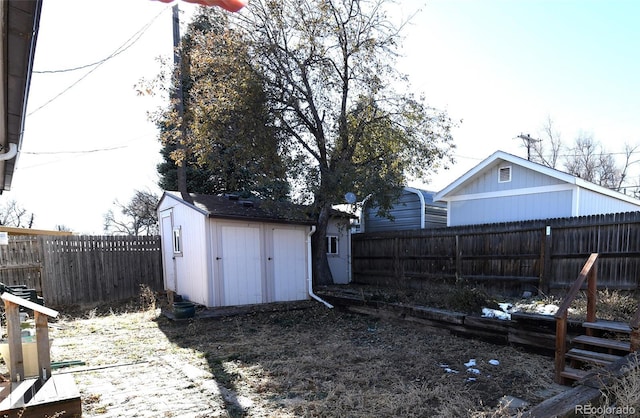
[305, 360]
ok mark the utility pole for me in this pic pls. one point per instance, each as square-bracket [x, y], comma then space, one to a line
[527, 140]
[179, 99]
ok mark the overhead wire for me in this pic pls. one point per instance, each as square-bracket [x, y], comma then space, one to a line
[122, 48]
[80, 153]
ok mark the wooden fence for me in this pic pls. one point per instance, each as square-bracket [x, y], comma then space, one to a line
[510, 257]
[82, 270]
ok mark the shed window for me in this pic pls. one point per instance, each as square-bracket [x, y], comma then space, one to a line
[177, 240]
[332, 244]
[504, 174]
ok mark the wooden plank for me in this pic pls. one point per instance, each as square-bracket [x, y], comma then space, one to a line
[593, 357]
[529, 338]
[14, 337]
[603, 342]
[614, 326]
[564, 404]
[42, 345]
[497, 325]
[8, 297]
[560, 347]
[575, 374]
[575, 287]
[57, 397]
[15, 399]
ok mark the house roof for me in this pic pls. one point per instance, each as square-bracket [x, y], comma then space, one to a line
[19, 23]
[498, 156]
[234, 207]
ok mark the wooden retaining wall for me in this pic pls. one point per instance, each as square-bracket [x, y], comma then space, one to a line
[511, 257]
[531, 331]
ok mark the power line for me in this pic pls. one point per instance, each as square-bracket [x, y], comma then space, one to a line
[122, 48]
[74, 152]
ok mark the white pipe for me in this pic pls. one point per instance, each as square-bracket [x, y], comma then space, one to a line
[310, 270]
[423, 205]
[13, 150]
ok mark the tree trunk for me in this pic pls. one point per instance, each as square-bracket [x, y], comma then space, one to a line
[321, 272]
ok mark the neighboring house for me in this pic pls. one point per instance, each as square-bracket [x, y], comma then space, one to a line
[414, 209]
[506, 188]
[225, 250]
[19, 23]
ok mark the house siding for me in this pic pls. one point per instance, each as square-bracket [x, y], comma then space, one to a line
[340, 264]
[521, 177]
[511, 208]
[532, 191]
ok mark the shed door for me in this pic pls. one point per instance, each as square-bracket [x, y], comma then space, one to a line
[241, 265]
[289, 264]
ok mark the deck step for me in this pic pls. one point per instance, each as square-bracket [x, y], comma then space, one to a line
[574, 374]
[603, 342]
[593, 357]
[612, 326]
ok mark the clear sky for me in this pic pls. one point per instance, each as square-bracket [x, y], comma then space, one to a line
[501, 66]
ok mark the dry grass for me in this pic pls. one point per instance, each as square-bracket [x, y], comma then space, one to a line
[314, 362]
[623, 392]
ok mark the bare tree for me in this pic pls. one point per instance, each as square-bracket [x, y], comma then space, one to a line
[12, 214]
[547, 150]
[587, 158]
[138, 217]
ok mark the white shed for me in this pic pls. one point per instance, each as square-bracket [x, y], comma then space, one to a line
[225, 250]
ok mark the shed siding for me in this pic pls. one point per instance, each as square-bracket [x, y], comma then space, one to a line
[521, 177]
[592, 203]
[510, 208]
[191, 266]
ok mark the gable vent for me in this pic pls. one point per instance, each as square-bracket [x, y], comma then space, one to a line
[504, 174]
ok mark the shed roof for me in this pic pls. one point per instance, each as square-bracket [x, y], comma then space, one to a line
[499, 156]
[234, 207]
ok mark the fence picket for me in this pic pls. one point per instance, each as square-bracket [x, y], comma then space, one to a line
[82, 270]
[546, 253]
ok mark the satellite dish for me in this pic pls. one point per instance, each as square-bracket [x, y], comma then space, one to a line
[350, 198]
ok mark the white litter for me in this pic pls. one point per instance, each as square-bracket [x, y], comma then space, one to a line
[494, 362]
[470, 363]
[494, 313]
[473, 371]
[506, 307]
[448, 370]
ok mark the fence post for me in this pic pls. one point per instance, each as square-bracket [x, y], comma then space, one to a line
[396, 260]
[458, 259]
[545, 271]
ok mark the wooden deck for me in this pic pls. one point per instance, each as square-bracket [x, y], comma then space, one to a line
[58, 397]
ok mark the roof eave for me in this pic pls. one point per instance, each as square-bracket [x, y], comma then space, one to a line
[20, 20]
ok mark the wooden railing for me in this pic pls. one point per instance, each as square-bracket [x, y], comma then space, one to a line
[590, 273]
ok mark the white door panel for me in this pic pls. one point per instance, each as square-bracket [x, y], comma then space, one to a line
[241, 265]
